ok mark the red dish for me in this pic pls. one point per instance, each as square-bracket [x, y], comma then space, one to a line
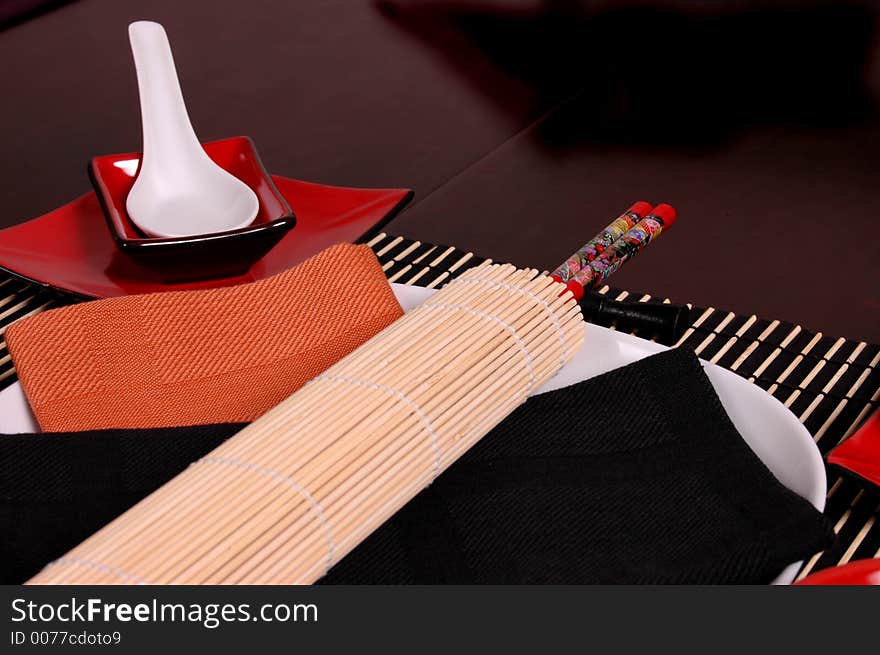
[72, 250]
[860, 454]
[860, 572]
[206, 256]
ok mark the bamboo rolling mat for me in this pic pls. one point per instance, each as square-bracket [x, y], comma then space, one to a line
[831, 384]
[336, 459]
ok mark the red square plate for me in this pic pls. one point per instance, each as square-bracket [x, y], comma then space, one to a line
[72, 250]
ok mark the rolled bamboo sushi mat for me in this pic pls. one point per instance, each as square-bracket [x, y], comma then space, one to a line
[831, 384]
[296, 490]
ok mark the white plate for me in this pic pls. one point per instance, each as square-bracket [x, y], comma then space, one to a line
[770, 430]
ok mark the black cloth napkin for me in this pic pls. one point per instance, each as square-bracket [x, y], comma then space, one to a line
[58, 488]
[636, 476]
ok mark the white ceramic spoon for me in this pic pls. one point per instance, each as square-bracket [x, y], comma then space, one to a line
[179, 190]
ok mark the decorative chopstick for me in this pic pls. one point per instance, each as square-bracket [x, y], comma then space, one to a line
[602, 261]
[630, 243]
[593, 248]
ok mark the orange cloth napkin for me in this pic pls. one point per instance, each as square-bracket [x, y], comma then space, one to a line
[194, 357]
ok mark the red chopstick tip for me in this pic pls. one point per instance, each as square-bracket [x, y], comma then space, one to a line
[641, 208]
[666, 213]
[576, 288]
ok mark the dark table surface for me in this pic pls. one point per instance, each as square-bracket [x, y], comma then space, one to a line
[522, 126]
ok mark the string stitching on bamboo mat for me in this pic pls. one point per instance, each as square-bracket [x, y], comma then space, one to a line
[90, 564]
[280, 477]
[367, 384]
[522, 292]
[507, 326]
[396, 502]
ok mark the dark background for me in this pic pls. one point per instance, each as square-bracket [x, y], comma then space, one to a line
[522, 126]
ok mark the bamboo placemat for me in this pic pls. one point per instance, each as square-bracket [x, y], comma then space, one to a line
[831, 384]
